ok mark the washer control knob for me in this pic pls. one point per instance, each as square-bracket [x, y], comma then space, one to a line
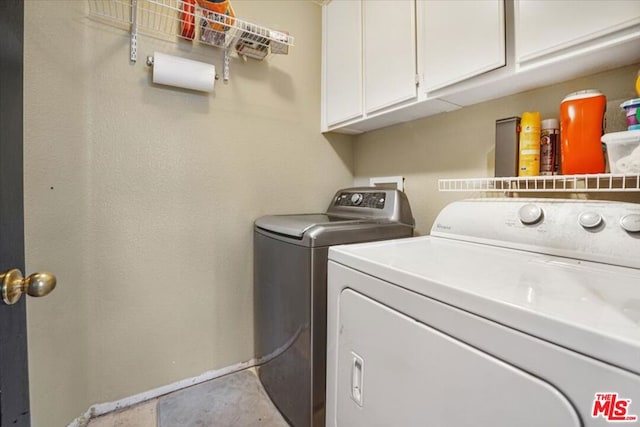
[631, 222]
[356, 198]
[530, 214]
[590, 219]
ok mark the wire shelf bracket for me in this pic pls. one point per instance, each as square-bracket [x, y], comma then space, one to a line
[133, 47]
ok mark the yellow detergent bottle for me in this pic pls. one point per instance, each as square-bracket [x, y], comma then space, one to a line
[638, 84]
[529, 146]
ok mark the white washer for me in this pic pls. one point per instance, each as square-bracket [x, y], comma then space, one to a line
[514, 312]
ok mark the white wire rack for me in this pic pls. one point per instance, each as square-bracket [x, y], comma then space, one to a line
[555, 183]
[172, 19]
[116, 11]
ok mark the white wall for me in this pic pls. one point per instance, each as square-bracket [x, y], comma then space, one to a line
[141, 199]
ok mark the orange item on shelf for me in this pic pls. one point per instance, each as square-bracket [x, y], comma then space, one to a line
[223, 13]
[188, 19]
[581, 125]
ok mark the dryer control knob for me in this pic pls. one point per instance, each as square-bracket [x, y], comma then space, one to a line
[356, 198]
[530, 214]
[631, 222]
[590, 219]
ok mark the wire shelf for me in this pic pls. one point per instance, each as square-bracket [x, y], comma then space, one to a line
[555, 183]
[173, 19]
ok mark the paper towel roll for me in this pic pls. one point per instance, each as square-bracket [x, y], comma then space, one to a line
[180, 72]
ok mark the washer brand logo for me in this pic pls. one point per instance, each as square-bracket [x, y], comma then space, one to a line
[611, 408]
[444, 227]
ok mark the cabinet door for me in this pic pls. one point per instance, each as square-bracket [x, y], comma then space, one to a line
[342, 47]
[548, 27]
[395, 371]
[389, 53]
[460, 39]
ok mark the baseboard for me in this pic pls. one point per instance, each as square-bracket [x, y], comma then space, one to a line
[118, 405]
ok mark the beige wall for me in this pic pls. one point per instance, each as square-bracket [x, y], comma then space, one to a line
[141, 199]
[460, 144]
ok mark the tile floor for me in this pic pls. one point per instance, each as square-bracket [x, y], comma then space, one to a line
[143, 415]
[235, 400]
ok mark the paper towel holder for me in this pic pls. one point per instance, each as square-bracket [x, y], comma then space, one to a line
[150, 64]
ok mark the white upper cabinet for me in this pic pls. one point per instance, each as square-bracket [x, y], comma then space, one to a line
[389, 53]
[342, 61]
[558, 30]
[459, 40]
[369, 64]
[461, 52]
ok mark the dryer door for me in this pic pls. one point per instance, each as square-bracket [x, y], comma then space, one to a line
[396, 371]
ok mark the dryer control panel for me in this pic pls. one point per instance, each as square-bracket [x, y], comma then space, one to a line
[599, 231]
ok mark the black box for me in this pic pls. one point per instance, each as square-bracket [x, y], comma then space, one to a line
[507, 146]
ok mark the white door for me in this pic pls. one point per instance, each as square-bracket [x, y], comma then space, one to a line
[342, 56]
[460, 39]
[549, 27]
[389, 53]
[395, 371]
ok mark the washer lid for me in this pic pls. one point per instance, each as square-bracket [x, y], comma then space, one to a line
[589, 307]
[297, 225]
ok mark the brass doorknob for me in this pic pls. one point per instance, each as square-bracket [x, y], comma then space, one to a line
[13, 284]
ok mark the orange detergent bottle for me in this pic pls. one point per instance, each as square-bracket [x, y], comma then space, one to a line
[581, 127]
